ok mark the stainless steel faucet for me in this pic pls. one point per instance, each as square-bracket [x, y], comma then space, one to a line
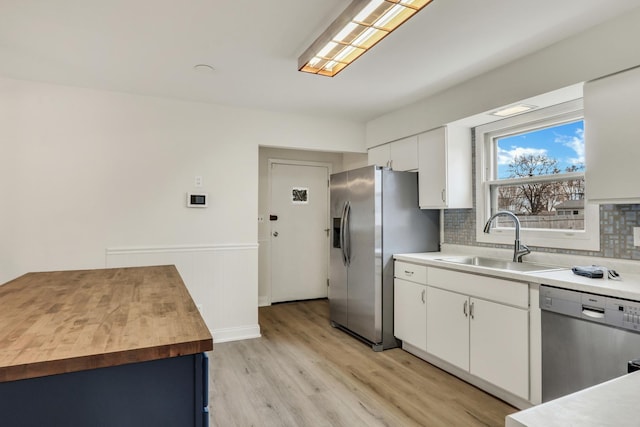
[519, 249]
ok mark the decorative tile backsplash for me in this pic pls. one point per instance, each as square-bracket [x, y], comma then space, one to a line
[616, 230]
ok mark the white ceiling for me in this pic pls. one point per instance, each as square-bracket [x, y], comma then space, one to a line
[150, 47]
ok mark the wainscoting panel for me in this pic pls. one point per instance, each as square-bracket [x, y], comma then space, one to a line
[222, 280]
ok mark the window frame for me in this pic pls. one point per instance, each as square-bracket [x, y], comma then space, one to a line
[587, 239]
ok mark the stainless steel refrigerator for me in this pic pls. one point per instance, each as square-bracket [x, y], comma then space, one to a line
[374, 214]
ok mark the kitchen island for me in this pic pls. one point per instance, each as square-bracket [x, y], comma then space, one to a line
[121, 346]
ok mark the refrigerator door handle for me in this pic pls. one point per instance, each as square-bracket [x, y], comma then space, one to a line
[342, 240]
[347, 233]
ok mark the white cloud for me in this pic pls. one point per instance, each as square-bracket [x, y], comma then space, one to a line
[506, 157]
[576, 143]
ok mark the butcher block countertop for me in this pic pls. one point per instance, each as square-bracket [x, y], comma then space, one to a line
[67, 321]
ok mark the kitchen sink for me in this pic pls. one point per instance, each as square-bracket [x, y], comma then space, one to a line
[500, 264]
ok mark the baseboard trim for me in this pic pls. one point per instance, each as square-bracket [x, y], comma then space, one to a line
[236, 334]
[264, 301]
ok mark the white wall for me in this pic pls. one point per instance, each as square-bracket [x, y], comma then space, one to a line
[601, 50]
[83, 171]
[354, 161]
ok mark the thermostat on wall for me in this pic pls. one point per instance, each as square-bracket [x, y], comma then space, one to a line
[197, 200]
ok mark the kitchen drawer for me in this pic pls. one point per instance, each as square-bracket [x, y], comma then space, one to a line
[412, 272]
[485, 287]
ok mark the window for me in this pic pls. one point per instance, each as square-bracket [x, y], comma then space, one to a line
[533, 165]
[538, 174]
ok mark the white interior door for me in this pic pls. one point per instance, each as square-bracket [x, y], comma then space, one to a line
[299, 237]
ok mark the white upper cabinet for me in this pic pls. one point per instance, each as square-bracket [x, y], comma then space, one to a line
[401, 155]
[404, 154]
[612, 138]
[444, 168]
[380, 155]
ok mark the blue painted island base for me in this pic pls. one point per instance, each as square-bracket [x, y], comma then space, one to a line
[167, 392]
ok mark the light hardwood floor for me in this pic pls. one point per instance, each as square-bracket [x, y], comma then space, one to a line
[303, 372]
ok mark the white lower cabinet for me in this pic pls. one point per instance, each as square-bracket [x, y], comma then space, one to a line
[478, 324]
[410, 303]
[499, 345]
[448, 327]
[410, 312]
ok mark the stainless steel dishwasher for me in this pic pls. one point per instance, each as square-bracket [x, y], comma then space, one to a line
[586, 339]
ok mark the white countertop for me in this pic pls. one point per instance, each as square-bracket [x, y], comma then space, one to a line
[628, 287]
[612, 403]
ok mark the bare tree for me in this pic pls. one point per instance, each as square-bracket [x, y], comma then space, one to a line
[532, 165]
[573, 189]
[539, 197]
[533, 198]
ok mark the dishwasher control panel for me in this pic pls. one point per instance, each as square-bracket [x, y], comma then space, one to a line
[626, 313]
[611, 311]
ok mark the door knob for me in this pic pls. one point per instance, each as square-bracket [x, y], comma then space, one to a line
[275, 234]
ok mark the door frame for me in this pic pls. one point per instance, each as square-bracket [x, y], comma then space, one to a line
[272, 161]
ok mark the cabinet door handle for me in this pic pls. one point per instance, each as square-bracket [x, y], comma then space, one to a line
[408, 273]
[424, 292]
[464, 309]
[471, 310]
[443, 194]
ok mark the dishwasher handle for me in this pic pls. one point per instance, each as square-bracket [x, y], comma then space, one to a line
[593, 312]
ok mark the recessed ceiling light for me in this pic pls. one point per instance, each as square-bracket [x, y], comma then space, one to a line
[513, 110]
[204, 68]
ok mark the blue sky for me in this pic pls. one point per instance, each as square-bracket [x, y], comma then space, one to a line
[564, 142]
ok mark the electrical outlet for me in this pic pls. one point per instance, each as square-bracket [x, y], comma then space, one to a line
[260, 219]
[636, 236]
[197, 181]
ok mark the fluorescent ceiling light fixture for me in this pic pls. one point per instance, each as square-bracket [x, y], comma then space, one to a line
[513, 110]
[362, 24]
